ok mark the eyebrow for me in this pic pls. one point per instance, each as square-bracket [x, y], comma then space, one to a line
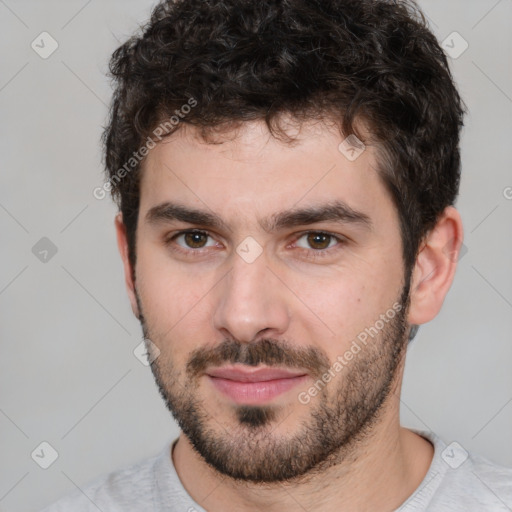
[337, 211]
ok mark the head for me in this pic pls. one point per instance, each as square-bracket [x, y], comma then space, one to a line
[285, 173]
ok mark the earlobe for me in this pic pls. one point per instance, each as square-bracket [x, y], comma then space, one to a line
[122, 244]
[435, 267]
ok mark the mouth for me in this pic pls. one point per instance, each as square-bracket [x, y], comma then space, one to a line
[251, 386]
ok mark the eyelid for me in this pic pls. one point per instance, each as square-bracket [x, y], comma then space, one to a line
[297, 236]
[340, 238]
[317, 255]
[172, 237]
[312, 253]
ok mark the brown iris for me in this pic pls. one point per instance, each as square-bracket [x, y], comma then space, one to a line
[195, 240]
[319, 240]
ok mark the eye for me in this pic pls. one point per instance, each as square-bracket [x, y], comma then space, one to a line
[192, 239]
[318, 240]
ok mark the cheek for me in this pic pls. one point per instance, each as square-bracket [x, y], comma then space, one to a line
[172, 302]
[345, 303]
[343, 307]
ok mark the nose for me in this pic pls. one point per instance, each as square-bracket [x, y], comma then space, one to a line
[250, 302]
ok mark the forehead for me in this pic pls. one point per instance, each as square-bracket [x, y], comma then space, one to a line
[248, 170]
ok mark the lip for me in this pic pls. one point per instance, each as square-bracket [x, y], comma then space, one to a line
[253, 385]
[246, 374]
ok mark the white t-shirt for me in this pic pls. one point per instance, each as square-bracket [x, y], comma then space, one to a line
[456, 482]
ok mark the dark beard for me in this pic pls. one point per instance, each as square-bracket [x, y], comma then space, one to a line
[342, 414]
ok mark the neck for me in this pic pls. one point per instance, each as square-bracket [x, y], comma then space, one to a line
[380, 472]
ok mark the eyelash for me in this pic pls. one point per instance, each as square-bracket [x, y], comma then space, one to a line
[312, 254]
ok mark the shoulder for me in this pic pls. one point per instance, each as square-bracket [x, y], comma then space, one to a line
[478, 482]
[460, 481]
[126, 489]
[467, 482]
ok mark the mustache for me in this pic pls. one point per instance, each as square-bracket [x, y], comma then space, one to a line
[268, 351]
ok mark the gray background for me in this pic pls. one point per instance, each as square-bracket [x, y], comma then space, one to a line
[68, 374]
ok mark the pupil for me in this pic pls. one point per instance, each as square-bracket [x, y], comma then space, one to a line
[195, 240]
[319, 239]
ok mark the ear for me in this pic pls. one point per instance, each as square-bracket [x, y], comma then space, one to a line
[435, 267]
[122, 244]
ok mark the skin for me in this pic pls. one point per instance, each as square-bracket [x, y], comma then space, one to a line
[196, 302]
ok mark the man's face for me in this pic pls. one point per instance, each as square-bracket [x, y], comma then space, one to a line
[266, 287]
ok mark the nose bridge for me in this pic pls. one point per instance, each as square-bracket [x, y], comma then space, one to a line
[248, 278]
[249, 300]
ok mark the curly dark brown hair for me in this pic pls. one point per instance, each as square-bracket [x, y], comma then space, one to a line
[371, 63]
